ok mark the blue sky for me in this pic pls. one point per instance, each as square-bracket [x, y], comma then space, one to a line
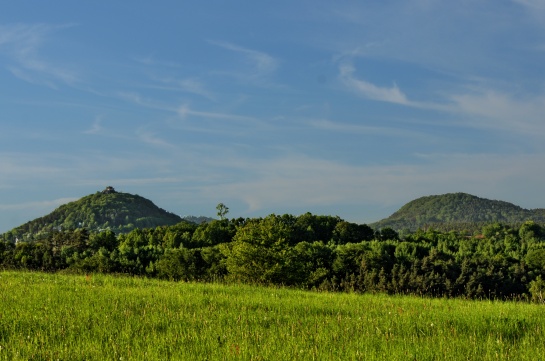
[348, 108]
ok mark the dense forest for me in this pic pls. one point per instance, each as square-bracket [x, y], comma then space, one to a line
[307, 251]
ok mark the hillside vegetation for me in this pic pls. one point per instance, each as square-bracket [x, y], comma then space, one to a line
[500, 261]
[457, 211]
[106, 210]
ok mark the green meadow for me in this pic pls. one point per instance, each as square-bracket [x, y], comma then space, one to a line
[102, 317]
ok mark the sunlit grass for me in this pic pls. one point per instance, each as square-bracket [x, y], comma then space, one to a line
[98, 317]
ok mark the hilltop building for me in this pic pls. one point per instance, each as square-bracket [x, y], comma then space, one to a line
[109, 190]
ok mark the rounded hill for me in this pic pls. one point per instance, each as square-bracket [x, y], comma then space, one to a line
[116, 211]
[457, 210]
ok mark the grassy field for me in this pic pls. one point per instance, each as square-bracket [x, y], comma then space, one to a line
[98, 317]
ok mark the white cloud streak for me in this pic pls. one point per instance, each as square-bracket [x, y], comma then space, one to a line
[96, 127]
[253, 67]
[151, 138]
[369, 90]
[532, 4]
[328, 125]
[477, 106]
[492, 109]
[189, 85]
[23, 42]
[262, 63]
[217, 122]
[36, 206]
[185, 111]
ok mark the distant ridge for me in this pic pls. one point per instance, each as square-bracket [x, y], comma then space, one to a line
[109, 209]
[457, 211]
[198, 219]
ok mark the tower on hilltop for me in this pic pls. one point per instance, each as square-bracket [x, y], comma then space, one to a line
[109, 190]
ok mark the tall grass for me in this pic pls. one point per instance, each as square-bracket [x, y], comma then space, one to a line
[99, 317]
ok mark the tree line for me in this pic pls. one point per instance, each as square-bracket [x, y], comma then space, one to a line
[307, 251]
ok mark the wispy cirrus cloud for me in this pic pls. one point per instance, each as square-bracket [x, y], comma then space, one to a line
[256, 68]
[22, 43]
[491, 108]
[328, 125]
[262, 63]
[39, 205]
[194, 86]
[475, 105]
[185, 111]
[532, 4]
[143, 101]
[210, 120]
[369, 90]
[151, 138]
[21, 38]
[19, 166]
[218, 122]
[96, 127]
[187, 85]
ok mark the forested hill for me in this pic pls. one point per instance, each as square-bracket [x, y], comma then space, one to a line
[119, 212]
[455, 211]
